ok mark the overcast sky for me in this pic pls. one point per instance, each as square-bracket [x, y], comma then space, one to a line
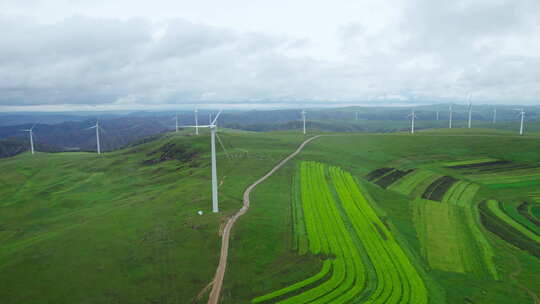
[103, 54]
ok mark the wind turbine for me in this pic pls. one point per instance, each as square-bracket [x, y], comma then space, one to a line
[412, 116]
[450, 117]
[470, 111]
[356, 115]
[304, 120]
[31, 134]
[437, 114]
[96, 126]
[196, 123]
[522, 114]
[494, 115]
[212, 127]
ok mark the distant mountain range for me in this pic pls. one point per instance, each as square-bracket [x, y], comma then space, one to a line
[67, 132]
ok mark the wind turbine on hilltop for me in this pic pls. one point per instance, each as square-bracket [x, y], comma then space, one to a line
[450, 116]
[470, 111]
[196, 123]
[31, 135]
[413, 117]
[212, 127]
[304, 120]
[97, 127]
[522, 114]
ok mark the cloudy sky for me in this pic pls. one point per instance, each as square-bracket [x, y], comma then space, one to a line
[103, 54]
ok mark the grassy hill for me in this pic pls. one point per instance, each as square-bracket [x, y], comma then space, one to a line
[123, 227]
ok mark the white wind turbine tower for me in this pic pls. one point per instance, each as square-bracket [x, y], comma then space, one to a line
[413, 117]
[522, 114]
[494, 115]
[470, 112]
[98, 145]
[356, 115]
[304, 120]
[31, 134]
[450, 117]
[212, 127]
[437, 114]
[196, 123]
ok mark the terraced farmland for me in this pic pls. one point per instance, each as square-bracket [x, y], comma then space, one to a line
[344, 230]
[509, 224]
[446, 220]
[499, 174]
[415, 183]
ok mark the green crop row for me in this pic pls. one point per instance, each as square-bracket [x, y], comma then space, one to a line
[415, 183]
[300, 241]
[398, 280]
[512, 212]
[328, 236]
[495, 208]
[496, 221]
[469, 162]
[462, 195]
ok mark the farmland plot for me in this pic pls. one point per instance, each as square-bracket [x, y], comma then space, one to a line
[508, 226]
[332, 223]
[447, 222]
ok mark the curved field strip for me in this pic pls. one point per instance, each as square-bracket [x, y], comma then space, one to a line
[449, 233]
[415, 183]
[398, 280]
[512, 212]
[470, 162]
[328, 236]
[502, 225]
[343, 277]
[496, 209]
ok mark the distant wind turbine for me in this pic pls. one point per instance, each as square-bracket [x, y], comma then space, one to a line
[470, 112]
[97, 127]
[437, 114]
[31, 135]
[304, 120]
[494, 115]
[412, 116]
[356, 115]
[522, 114]
[450, 117]
[212, 127]
[196, 123]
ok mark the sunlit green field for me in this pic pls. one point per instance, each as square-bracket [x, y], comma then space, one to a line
[123, 227]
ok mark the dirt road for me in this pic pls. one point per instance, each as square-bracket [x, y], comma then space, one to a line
[220, 272]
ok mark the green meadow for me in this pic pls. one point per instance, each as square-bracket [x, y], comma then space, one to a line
[444, 223]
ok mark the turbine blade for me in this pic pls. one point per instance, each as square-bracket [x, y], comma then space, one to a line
[215, 119]
[93, 127]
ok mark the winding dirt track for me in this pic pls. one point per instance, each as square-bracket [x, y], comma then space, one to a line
[220, 272]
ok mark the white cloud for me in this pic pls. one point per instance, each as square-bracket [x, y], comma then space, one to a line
[86, 53]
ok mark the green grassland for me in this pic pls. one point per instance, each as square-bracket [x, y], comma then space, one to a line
[123, 227]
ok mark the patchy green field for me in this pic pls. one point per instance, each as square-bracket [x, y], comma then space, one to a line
[123, 228]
